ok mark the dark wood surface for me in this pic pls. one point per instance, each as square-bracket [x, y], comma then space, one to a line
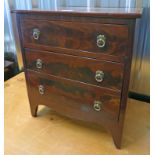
[56, 87]
[59, 34]
[77, 68]
[87, 11]
[64, 93]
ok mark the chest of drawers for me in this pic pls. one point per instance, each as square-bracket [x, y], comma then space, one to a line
[78, 62]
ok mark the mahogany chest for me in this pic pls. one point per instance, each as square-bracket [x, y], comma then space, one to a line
[78, 62]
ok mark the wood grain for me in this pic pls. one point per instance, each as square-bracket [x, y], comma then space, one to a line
[87, 12]
[76, 36]
[63, 90]
[77, 68]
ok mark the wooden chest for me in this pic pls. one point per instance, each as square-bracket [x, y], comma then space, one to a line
[78, 62]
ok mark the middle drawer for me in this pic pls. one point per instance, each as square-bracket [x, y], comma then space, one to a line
[87, 70]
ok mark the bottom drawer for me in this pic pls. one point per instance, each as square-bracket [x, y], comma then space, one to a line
[73, 99]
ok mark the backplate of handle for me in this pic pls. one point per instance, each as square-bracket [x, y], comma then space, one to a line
[39, 63]
[41, 89]
[36, 33]
[101, 41]
[97, 105]
[99, 76]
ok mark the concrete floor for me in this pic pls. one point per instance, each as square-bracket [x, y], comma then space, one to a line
[52, 134]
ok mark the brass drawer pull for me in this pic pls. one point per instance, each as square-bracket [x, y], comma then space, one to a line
[39, 63]
[36, 33]
[41, 89]
[99, 76]
[97, 105]
[101, 41]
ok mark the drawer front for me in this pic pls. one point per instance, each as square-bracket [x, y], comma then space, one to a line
[50, 89]
[91, 71]
[109, 39]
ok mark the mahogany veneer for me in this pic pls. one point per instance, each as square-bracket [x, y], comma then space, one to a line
[78, 62]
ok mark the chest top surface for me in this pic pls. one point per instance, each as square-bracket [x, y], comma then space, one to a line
[87, 11]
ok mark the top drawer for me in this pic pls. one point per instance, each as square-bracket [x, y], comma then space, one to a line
[107, 39]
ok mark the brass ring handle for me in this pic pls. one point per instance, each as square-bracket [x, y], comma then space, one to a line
[36, 33]
[39, 63]
[99, 76]
[41, 89]
[97, 105]
[101, 41]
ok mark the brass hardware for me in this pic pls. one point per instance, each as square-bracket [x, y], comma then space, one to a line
[39, 64]
[97, 105]
[36, 33]
[41, 89]
[101, 40]
[99, 76]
